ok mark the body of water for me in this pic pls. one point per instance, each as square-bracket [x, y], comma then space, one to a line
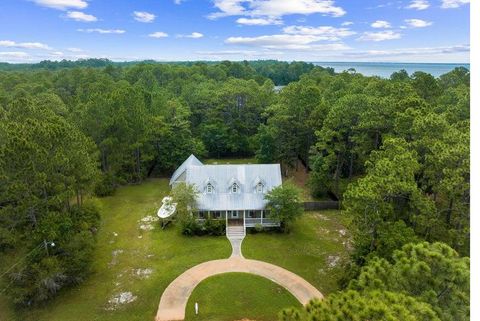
[385, 69]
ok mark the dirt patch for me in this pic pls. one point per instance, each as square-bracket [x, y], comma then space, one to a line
[321, 216]
[322, 231]
[115, 254]
[120, 299]
[149, 218]
[333, 260]
[146, 223]
[142, 273]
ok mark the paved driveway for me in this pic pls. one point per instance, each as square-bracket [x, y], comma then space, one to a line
[175, 297]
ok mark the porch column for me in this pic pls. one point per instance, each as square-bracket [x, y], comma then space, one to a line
[244, 227]
[261, 217]
[208, 214]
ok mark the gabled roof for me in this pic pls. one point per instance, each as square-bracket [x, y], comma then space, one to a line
[244, 175]
[258, 180]
[190, 161]
[224, 176]
[232, 181]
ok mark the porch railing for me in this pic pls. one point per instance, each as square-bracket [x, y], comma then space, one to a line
[251, 222]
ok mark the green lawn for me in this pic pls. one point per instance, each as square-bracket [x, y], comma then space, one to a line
[166, 252]
[314, 243]
[235, 296]
[251, 160]
[315, 248]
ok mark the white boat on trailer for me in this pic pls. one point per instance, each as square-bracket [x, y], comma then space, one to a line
[167, 209]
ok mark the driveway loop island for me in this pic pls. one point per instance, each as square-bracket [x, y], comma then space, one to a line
[175, 297]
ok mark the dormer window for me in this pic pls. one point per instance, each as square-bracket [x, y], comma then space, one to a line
[209, 188]
[259, 188]
[235, 188]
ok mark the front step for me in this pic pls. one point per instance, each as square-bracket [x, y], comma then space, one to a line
[236, 232]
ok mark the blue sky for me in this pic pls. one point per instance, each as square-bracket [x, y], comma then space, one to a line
[309, 30]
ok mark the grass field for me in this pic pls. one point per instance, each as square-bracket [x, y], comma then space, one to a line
[165, 252]
[126, 254]
[232, 161]
[315, 248]
[235, 296]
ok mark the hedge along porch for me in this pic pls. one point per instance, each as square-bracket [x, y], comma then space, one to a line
[235, 193]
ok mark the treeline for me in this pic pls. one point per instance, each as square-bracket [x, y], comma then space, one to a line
[281, 73]
[72, 129]
[394, 151]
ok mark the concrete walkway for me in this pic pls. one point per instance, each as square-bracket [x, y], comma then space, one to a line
[236, 235]
[175, 297]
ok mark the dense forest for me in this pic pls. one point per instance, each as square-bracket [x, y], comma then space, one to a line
[394, 151]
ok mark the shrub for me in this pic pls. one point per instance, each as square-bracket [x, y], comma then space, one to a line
[190, 227]
[7, 239]
[47, 270]
[106, 185]
[214, 227]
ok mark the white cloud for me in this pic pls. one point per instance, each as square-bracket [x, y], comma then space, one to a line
[178, 1]
[423, 51]
[418, 5]
[347, 23]
[241, 53]
[380, 36]
[194, 35]
[62, 4]
[143, 16]
[102, 31]
[275, 8]
[80, 16]
[449, 4]
[73, 49]
[26, 45]
[322, 32]
[286, 41]
[158, 34]
[13, 54]
[382, 5]
[259, 21]
[274, 41]
[417, 23]
[381, 24]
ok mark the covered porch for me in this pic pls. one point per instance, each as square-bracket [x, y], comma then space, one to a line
[247, 218]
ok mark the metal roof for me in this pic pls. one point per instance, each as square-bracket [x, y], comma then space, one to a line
[191, 160]
[246, 177]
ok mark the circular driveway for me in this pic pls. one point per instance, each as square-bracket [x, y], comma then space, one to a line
[175, 297]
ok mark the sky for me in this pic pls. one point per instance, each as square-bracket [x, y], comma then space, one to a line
[172, 30]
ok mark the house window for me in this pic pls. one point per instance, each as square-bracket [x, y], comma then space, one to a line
[259, 188]
[251, 214]
[235, 188]
[209, 188]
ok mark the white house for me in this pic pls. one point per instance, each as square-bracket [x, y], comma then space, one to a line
[231, 192]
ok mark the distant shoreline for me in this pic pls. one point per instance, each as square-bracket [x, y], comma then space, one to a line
[385, 69]
[380, 69]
